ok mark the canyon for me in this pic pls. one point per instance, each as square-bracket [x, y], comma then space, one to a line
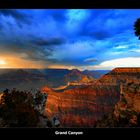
[76, 98]
[81, 105]
[26, 79]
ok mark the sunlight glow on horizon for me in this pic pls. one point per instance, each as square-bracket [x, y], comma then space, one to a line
[11, 62]
[2, 62]
[14, 61]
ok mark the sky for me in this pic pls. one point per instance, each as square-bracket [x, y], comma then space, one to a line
[94, 39]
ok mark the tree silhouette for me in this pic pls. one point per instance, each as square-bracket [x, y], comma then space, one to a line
[137, 28]
[18, 108]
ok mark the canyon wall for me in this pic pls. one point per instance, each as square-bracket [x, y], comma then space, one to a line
[82, 106]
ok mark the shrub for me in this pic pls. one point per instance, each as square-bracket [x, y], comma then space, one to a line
[17, 109]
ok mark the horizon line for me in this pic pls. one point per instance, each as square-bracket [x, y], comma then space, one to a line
[69, 69]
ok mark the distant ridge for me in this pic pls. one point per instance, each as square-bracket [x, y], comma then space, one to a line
[126, 69]
[121, 75]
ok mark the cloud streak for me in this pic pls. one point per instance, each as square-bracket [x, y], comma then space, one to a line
[121, 62]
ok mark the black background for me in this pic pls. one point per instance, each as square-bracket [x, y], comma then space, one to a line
[95, 133]
[99, 133]
[69, 4]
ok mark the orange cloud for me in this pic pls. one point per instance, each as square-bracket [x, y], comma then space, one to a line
[14, 61]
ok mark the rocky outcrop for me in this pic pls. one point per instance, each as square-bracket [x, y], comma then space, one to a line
[95, 73]
[86, 79]
[46, 89]
[81, 106]
[121, 75]
[129, 100]
[74, 75]
[126, 112]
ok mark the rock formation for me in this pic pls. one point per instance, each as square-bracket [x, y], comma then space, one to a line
[121, 75]
[126, 112]
[81, 106]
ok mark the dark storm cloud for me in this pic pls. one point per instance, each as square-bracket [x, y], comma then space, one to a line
[48, 42]
[59, 16]
[90, 60]
[98, 35]
[103, 24]
[16, 15]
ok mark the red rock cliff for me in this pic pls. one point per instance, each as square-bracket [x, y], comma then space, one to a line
[121, 75]
[80, 107]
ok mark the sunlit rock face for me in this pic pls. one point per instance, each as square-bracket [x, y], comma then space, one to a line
[130, 97]
[121, 75]
[126, 112]
[81, 106]
[46, 89]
